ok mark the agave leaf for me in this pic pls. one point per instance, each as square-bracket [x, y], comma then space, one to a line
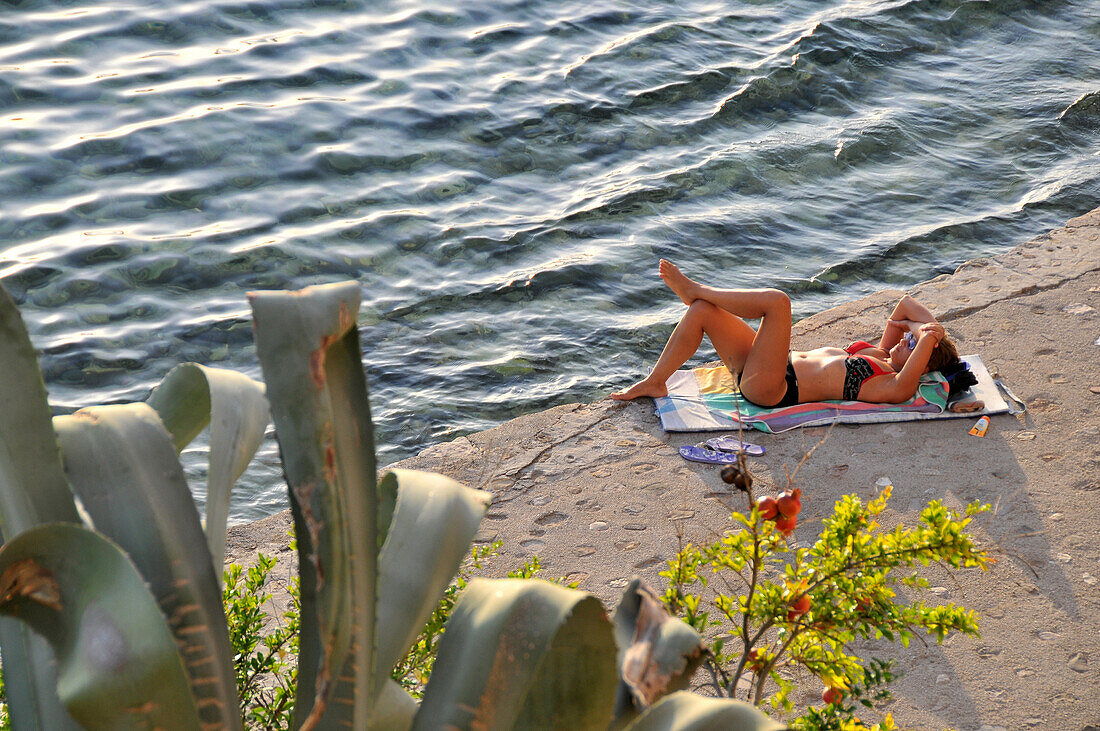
[658, 653]
[30, 680]
[122, 465]
[33, 491]
[118, 666]
[394, 709]
[685, 711]
[435, 520]
[522, 654]
[192, 396]
[309, 350]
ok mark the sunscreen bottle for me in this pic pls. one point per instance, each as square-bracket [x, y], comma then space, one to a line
[978, 429]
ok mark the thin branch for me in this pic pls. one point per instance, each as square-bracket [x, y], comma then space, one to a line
[790, 480]
[766, 670]
[722, 577]
[869, 559]
[755, 563]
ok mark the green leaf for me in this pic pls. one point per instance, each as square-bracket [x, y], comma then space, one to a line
[118, 666]
[684, 711]
[522, 653]
[30, 685]
[394, 709]
[309, 349]
[657, 653]
[433, 524]
[33, 491]
[122, 465]
[192, 396]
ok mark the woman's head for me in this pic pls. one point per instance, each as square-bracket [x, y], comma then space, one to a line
[945, 353]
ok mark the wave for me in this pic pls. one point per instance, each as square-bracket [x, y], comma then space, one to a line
[502, 177]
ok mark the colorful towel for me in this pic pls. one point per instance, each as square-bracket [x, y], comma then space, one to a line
[706, 399]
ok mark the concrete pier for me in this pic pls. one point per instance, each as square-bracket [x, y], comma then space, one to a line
[600, 493]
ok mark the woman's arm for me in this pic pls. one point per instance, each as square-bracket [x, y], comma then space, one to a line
[908, 315]
[902, 386]
[908, 378]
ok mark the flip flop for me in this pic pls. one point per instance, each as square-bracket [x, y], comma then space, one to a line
[706, 456]
[735, 445]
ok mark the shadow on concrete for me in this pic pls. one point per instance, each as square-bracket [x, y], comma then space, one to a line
[923, 461]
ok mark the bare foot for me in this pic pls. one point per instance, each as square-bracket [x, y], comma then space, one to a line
[677, 281]
[641, 388]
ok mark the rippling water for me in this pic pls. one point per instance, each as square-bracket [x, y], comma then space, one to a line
[502, 177]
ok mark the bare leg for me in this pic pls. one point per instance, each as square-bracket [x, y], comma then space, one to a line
[760, 357]
[764, 369]
[730, 335]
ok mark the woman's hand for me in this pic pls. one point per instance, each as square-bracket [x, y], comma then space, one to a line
[933, 329]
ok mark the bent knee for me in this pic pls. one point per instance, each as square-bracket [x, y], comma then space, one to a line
[702, 309]
[777, 299]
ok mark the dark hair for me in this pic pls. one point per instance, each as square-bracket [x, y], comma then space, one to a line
[944, 354]
[945, 359]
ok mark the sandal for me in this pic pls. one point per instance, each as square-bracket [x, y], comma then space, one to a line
[706, 456]
[733, 444]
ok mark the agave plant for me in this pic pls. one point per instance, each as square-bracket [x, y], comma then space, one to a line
[107, 563]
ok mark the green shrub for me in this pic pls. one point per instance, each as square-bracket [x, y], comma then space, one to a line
[265, 661]
[850, 575]
[413, 670]
[5, 722]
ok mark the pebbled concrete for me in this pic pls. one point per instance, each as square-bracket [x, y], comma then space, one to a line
[600, 494]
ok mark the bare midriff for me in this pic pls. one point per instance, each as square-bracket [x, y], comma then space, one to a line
[821, 372]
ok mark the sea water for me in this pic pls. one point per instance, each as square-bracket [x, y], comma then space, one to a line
[502, 177]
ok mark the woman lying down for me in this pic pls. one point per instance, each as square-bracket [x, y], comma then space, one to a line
[770, 374]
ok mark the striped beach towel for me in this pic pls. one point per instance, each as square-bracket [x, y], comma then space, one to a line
[706, 399]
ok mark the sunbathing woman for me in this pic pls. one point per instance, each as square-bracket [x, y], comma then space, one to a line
[770, 374]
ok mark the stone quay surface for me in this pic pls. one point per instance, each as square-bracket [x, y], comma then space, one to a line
[599, 492]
